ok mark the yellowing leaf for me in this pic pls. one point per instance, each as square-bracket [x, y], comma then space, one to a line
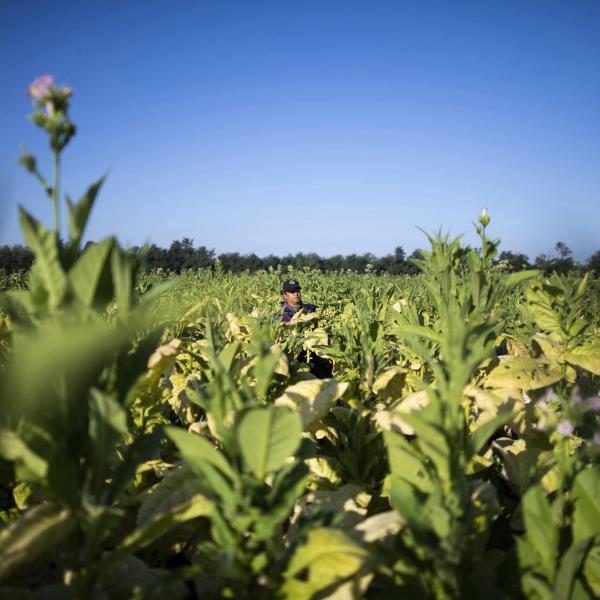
[312, 398]
[329, 559]
[523, 373]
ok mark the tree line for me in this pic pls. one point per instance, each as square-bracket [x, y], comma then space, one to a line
[182, 255]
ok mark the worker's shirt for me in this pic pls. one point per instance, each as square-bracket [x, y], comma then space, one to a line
[287, 312]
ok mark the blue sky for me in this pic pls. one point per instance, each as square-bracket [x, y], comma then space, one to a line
[334, 127]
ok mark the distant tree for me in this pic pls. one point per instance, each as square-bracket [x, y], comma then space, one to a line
[515, 261]
[563, 263]
[395, 264]
[334, 263]
[251, 262]
[271, 261]
[411, 268]
[231, 261]
[593, 264]
[15, 258]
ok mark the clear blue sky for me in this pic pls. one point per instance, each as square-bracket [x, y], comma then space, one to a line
[335, 127]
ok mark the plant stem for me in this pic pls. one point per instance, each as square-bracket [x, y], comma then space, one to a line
[55, 193]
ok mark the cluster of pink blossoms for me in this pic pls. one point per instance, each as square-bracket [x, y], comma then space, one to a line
[41, 86]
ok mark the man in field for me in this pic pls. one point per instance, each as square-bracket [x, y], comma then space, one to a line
[292, 301]
[288, 307]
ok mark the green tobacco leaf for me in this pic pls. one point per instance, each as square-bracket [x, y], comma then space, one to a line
[78, 214]
[539, 300]
[177, 488]
[407, 329]
[432, 441]
[263, 372]
[90, 275]
[540, 527]
[591, 570]
[160, 523]
[13, 448]
[142, 449]
[570, 565]
[36, 532]
[47, 267]
[328, 559]
[107, 425]
[122, 268]
[514, 279]
[586, 356]
[482, 434]
[228, 353]
[312, 399]
[288, 485]
[207, 462]
[409, 503]
[523, 373]
[406, 463]
[267, 436]
[585, 495]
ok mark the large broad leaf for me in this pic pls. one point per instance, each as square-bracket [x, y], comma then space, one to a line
[380, 526]
[216, 474]
[329, 559]
[46, 267]
[160, 523]
[174, 490]
[36, 532]
[406, 463]
[14, 449]
[267, 436]
[539, 300]
[388, 385]
[90, 276]
[348, 503]
[586, 494]
[391, 420]
[541, 529]
[586, 356]
[570, 566]
[523, 373]
[514, 279]
[312, 399]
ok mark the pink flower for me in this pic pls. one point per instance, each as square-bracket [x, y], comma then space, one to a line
[40, 86]
[593, 403]
[596, 438]
[565, 428]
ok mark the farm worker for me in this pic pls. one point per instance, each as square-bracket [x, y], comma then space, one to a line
[288, 307]
[292, 301]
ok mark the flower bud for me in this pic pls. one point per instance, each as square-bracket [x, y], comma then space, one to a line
[28, 161]
[484, 217]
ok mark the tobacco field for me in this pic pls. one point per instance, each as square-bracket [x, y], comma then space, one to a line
[164, 437]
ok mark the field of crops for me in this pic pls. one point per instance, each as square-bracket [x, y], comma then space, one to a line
[168, 437]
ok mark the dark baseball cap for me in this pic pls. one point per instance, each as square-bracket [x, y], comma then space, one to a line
[291, 285]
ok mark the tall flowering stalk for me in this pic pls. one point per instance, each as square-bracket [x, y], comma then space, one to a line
[51, 107]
